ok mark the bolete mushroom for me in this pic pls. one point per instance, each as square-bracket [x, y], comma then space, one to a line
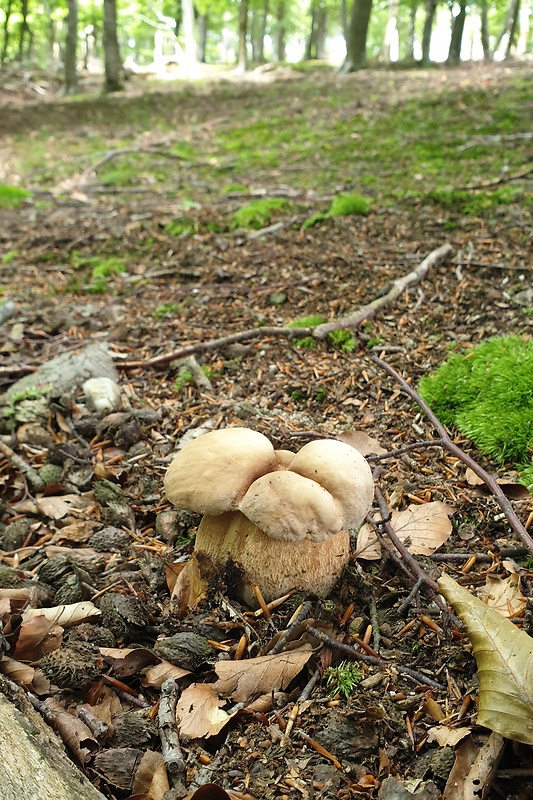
[283, 518]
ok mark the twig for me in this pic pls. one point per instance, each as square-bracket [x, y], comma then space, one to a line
[374, 661]
[22, 466]
[456, 451]
[302, 613]
[505, 178]
[406, 449]
[398, 286]
[170, 742]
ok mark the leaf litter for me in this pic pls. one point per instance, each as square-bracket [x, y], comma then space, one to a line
[134, 544]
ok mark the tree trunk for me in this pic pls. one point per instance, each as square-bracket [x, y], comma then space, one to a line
[431, 8]
[508, 25]
[24, 29]
[344, 19]
[485, 38]
[391, 42]
[113, 62]
[203, 26]
[5, 40]
[243, 31]
[188, 31]
[511, 44]
[522, 44]
[310, 44]
[456, 41]
[281, 31]
[71, 47]
[321, 32]
[357, 35]
[410, 43]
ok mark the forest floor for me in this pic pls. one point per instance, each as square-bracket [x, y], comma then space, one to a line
[130, 234]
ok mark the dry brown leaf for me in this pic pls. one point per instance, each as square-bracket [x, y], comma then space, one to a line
[25, 675]
[504, 594]
[362, 442]
[65, 615]
[465, 755]
[189, 587]
[199, 713]
[242, 679]
[510, 488]
[446, 736]
[78, 532]
[212, 791]
[13, 600]
[129, 660]
[55, 507]
[151, 776]
[156, 676]
[422, 528]
[38, 637]
[74, 733]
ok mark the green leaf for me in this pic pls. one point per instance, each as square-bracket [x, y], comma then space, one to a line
[504, 656]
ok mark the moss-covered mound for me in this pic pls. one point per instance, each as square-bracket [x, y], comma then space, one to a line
[487, 393]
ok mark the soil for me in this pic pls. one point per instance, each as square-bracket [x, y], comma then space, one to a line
[210, 282]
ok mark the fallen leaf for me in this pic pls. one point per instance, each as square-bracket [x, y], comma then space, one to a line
[242, 679]
[126, 661]
[446, 736]
[504, 594]
[156, 676]
[188, 589]
[199, 713]
[151, 776]
[64, 615]
[422, 528]
[74, 733]
[510, 488]
[38, 636]
[25, 675]
[212, 791]
[362, 442]
[504, 656]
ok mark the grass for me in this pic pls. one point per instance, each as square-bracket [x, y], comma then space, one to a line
[12, 196]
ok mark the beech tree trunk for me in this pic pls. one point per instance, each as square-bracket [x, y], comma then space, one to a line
[391, 41]
[25, 33]
[524, 25]
[203, 26]
[456, 41]
[71, 47]
[357, 36]
[431, 8]
[281, 31]
[410, 43]
[509, 26]
[5, 39]
[242, 61]
[189, 34]
[485, 39]
[113, 62]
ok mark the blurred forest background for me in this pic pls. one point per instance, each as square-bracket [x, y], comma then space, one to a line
[178, 38]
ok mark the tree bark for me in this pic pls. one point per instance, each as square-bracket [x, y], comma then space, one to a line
[391, 41]
[410, 43]
[189, 34]
[113, 62]
[431, 8]
[357, 36]
[242, 61]
[509, 24]
[512, 41]
[25, 32]
[281, 31]
[5, 40]
[485, 39]
[33, 761]
[203, 26]
[524, 25]
[71, 47]
[456, 41]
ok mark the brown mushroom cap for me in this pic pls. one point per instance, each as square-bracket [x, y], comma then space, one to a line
[343, 472]
[289, 507]
[212, 473]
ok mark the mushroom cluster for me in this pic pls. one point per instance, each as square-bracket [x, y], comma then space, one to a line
[283, 517]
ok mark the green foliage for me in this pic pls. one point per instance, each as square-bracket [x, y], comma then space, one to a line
[257, 214]
[307, 342]
[311, 321]
[12, 196]
[343, 678]
[343, 205]
[32, 393]
[471, 203]
[298, 396]
[321, 394]
[100, 270]
[342, 340]
[9, 257]
[374, 341]
[182, 226]
[166, 308]
[186, 378]
[487, 393]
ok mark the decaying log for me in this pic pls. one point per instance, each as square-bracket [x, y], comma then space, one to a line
[33, 762]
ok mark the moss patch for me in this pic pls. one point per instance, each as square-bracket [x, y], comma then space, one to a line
[12, 196]
[487, 393]
[257, 214]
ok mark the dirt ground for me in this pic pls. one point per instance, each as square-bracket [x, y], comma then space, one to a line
[203, 284]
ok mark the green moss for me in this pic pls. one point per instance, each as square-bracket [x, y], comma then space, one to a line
[311, 321]
[342, 340]
[487, 393]
[166, 308]
[344, 205]
[343, 678]
[12, 196]
[257, 214]
[99, 270]
[183, 226]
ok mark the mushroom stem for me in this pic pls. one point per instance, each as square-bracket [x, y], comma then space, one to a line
[275, 566]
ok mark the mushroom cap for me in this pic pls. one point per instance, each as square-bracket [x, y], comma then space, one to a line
[212, 473]
[290, 507]
[343, 472]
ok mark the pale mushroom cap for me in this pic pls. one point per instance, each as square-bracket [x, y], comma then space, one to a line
[284, 458]
[212, 473]
[290, 507]
[343, 472]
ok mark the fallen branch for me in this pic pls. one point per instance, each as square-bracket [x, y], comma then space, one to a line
[505, 178]
[168, 731]
[398, 286]
[455, 450]
[319, 332]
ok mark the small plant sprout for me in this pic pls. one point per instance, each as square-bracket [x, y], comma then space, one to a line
[342, 679]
